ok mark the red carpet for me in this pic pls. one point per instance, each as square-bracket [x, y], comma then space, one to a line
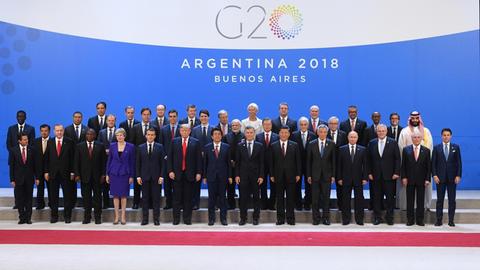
[387, 239]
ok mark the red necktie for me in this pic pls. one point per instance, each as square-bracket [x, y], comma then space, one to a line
[216, 151]
[59, 147]
[24, 155]
[184, 154]
[173, 132]
[314, 125]
[267, 139]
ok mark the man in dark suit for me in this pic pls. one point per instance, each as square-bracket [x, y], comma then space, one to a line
[394, 129]
[266, 138]
[286, 168]
[303, 137]
[160, 120]
[447, 172]
[201, 133]
[371, 131]
[384, 159]
[320, 173]
[223, 122]
[185, 168]
[352, 170]
[315, 120]
[89, 166]
[76, 131]
[370, 134]
[138, 136]
[354, 124]
[284, 120]
[190, 119]
[217, 173]
[129, 123]
[106, 137]
[59, 171]
[233, 138]
[150, 170]
[339, 137]
[416, 173]
[40, 144]
[249, 174]
[19, 127]
[99, 121]
[23, 172]
[168, 133]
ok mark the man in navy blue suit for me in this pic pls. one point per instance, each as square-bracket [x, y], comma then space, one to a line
[76, 131]
[24, 170]
[353, 123]
[129, 123]
[202, 134]
[99, 121]
[19, 127]
[352, 170]
[168, 133]
[284, 120]
[266, 138]
[249, 174]
[384, 159]
[184, 164]
[217, 172]
[447, 172]
[150, 171]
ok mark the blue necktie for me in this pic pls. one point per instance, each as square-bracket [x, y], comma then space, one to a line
[445, 151]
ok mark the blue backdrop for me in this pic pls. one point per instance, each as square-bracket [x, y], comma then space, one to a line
[51, 75]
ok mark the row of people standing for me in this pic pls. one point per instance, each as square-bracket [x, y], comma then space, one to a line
[135, 133]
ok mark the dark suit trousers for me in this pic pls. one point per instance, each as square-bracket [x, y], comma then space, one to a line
[371, 188]
[182, 197]
[320, 193]
[298, 193]
[231, 194]
[284, 186]
[41, 191]
[196, 193]
[249, 188]
[69, 187]
[384, 187]
[347, 204]
[419, 213]
[137, 189]
[339, 191]
[216, 195]
[168, 189]
[451, 188]
[23, 199]
[88, 188]
[151, 190]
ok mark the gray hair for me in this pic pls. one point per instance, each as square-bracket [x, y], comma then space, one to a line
[120, 131]
[314, 107]
[187, 126]
[254, 105]
[382, 125]
[129, 107]
[333, 118]
[250, 127]
[236, 121]
[161, 105]
[302, 119]
[222, 112]
[283, 104]
[322, 126]
[111, 115]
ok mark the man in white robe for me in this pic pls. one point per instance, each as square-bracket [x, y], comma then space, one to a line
[415, 123]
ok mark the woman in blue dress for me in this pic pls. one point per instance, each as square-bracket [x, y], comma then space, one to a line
[120, 172]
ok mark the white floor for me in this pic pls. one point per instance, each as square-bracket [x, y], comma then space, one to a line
[193, 257]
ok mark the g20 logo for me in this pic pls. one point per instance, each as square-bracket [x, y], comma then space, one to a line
[285, 22]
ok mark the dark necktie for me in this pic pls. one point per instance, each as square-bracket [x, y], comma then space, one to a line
[204, 131]
[21, 129]
[216, 150]
[110, 134]
[149, 149]
[77, 132]
[249, 149]
[145, 129]
[129, 124]
[322, 148]
[191, 123]
[283, 149]
[352, 153]
[90, 149]
[395, 133]
[101, 122]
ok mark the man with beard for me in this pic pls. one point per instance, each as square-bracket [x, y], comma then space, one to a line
[415, 124]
